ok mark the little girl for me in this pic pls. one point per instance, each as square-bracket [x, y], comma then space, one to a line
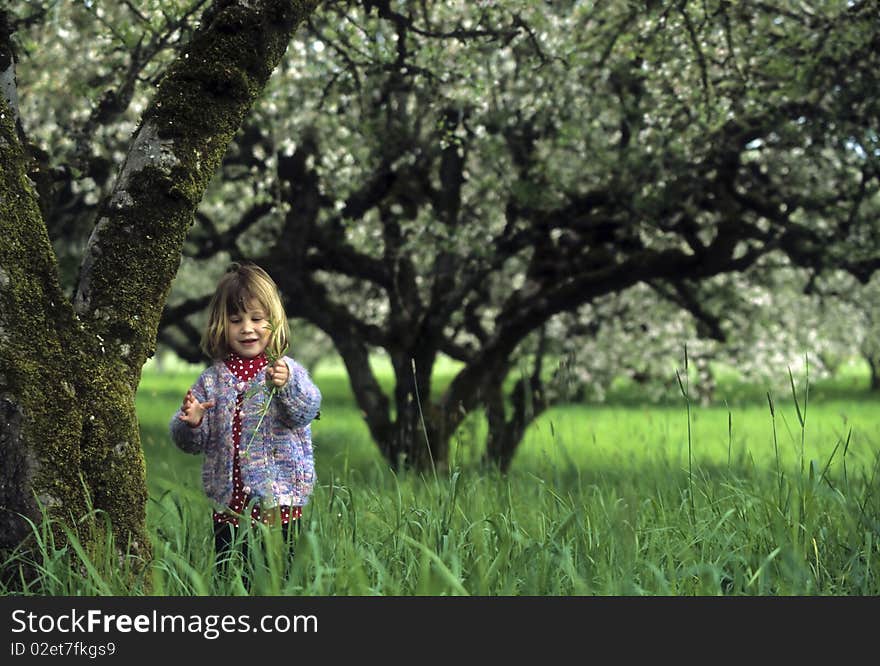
[256, 454]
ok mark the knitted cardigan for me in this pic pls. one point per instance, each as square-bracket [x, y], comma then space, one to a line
[278, 467]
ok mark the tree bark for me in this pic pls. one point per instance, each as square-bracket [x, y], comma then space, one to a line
[69, 371]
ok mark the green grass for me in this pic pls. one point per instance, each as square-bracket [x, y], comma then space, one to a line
[601, 499]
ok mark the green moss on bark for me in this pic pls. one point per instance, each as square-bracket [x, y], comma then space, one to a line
[35, 363]
[113, 462]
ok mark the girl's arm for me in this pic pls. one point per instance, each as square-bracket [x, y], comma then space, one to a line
[299, 399]
[189, 438]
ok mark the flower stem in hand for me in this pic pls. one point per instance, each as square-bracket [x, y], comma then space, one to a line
[263, 412]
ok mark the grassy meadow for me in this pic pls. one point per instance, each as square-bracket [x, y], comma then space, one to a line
[620, 498]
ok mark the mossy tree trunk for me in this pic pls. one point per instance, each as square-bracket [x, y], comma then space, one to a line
[69, 370]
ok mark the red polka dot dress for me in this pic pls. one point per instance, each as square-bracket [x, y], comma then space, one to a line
[245, 369]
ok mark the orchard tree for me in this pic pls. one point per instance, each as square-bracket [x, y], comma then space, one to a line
[69, 366]
[463, 174]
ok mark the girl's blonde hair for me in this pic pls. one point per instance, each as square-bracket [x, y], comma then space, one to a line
[242, 284]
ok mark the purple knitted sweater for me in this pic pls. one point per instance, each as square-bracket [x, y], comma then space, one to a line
[278, 467]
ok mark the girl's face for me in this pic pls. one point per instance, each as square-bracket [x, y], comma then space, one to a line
[249, 331]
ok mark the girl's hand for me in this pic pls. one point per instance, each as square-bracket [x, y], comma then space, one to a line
[278, 373]
[193, 410]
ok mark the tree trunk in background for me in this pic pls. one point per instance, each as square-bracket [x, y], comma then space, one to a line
[505, 434]
[69, 371]
[874, 365]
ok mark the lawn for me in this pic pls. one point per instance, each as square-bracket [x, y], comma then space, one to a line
[610, 499]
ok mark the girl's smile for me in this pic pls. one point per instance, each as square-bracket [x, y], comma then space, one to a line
[248, 331]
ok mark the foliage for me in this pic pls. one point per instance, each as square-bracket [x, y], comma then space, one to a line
[502, 182]
[757, 324]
